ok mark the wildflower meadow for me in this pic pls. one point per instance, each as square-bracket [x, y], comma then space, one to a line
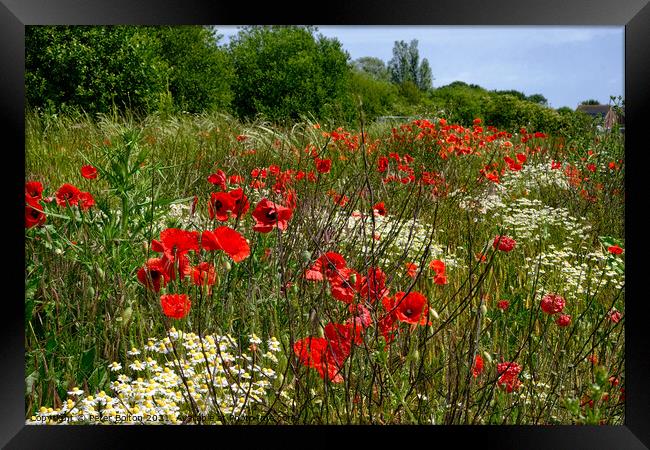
[202, 269]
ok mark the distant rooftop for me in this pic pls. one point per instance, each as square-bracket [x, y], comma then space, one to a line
[594, 110]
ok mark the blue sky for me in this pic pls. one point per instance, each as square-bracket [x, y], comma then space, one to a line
[565, 64]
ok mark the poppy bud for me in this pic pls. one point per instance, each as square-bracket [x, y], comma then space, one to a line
[416, 355]
[126, 314]
[226, 265]
[294, 288]
[487, 357]
[353, 279]
[91, 291]
[483, 309]
[434, 314]
[100, 272]
[306, 256]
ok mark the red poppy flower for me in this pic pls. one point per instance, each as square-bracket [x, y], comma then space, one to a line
[241, 204]
[228, 240]
[316, 353]
[382, 164]
[323, 165]
[614, 316]
[204, 274]
[411, 269]
[67, 195]
[503, 305]
[345, 284]
[218, 179]
[552, 303]
[34, 214]
[220, 205]
[290, 198]
[89, 172]
[411, 308]
[512, 165]
[341, 337]
[380, 209]
[478, 366]
[440, 279]
[508, 376]
[614, 249]
[360, 315]
[175, 243]
[268, 215]
[235, 179]
[388, 326]
[504, 243]
[33, 190]
[339, 199]
[563, 320]
[86, 200]
[175, 306]
[329, 264]
[153, 274]
[438, 266]
[373, 287]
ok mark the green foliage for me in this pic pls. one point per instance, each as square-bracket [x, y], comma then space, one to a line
[377, 96]
[537, 98]
[284, 72]
[591, 101]
[95, 69]
[462, 103]
[405, 65]
[507, 109]
[200, 73]
[374, 67]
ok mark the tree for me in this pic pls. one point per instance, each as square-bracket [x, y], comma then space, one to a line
[374, 67]
[95, 68]
[200, 71]
[590, 102]
[514, 93]
[284, 72]
[537, 98]
[405, 66]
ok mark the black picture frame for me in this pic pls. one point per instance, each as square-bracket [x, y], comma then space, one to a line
[633, 14]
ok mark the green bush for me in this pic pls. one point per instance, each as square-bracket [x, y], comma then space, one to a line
[95, 69]
[285, 72]
[200, 72]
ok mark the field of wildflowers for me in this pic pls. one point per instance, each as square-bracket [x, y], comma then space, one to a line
[195, 269]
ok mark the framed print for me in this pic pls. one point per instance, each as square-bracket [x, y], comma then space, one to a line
[367, 217]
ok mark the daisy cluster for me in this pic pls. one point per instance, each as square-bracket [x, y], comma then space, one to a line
[395, 236]
[489, 200]
[534, 177]
[531, 220]
[211, 380]
[577, 274]
[530, 178]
